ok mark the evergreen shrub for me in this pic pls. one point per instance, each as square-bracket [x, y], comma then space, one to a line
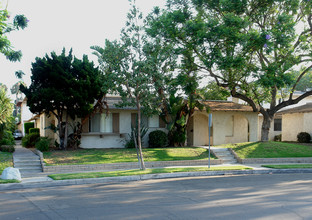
[158, 138]
[304, 137]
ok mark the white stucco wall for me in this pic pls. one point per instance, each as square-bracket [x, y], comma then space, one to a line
[25, 115]
[111, 140]
[294, 123]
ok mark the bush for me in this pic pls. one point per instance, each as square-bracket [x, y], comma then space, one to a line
[27, 126]
[158, 138]
[34, 130]
[278, 137]
[43, 144]
[177, 138]
[304, 137]
[30, 140]
[7, 138]
[7, 148]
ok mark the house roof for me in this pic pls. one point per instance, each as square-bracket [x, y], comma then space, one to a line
[300, 109]
[227, 106]
[112, 101]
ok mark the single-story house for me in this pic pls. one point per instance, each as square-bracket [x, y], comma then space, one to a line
[296, 120]
[111, 130]
[231, 123]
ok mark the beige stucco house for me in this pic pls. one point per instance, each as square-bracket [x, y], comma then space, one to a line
[296, 120]
[231, 123]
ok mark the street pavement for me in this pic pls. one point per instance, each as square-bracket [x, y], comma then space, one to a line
[278, 196]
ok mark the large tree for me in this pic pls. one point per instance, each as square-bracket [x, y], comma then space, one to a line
[19, 22]
[247, 47]
[63, 85]
[124, 66]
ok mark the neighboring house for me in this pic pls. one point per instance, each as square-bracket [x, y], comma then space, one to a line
[26, 114]
[296, 120]
[231, 123]
[277, 123]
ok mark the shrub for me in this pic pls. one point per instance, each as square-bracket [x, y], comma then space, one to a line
[304, 137]
[278, 137]
[7, 138]
[30, 140]
[158, 138]
[7, 148]
[43, 144]
[177, 138]
[34, 130]
[27, 126]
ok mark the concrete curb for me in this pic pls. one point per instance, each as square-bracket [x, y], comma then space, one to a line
[53, 183]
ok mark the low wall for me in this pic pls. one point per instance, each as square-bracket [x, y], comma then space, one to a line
[133, 165]
[271, 160]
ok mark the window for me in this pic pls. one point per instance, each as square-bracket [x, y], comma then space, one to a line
[278, 124]
[104, 123]
[134, 118]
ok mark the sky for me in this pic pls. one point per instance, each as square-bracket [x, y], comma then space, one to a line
[54, 24]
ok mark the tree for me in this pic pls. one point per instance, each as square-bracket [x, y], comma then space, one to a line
[125, 66]
[19, 22]
[6, 119]
[6, 107]
[248, 47]
[214, 92]
[60, 84]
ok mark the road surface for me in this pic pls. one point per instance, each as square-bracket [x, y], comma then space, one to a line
[278, 196]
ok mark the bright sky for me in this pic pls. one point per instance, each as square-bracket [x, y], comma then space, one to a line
[55, 24]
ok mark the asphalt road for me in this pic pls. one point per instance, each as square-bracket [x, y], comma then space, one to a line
[278, 196]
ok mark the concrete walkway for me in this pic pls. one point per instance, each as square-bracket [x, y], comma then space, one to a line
[27, 162]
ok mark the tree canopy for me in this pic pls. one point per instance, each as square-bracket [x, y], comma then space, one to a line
[63, 83]
[248, 47]
[19, 22]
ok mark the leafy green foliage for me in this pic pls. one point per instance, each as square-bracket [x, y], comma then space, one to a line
[214, 92]
[7, 138]
[63, 83]
[28, 126]
[248, 47]
[304, 137]
[34, 130]
[6, 160]
[134, 134]
[7, 148]
[19, 22]
[30, 140]
[43, 144]
[158, 138]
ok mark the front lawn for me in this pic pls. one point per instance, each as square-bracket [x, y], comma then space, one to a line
[270, 150]
[98, 156]
[66, 176]
[5, 161]
[289, 166]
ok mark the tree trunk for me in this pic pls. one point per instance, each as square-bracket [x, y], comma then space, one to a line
[60, 127]
[66, 132]
[139, 135]
[266, 124]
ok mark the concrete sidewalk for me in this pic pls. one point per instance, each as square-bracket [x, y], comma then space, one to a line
[45, 181]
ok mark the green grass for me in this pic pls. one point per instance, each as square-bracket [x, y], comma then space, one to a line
[288, 166]
[8, 181]
[5, 161]
[141, 172]
[270, 150]
[98, 156]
